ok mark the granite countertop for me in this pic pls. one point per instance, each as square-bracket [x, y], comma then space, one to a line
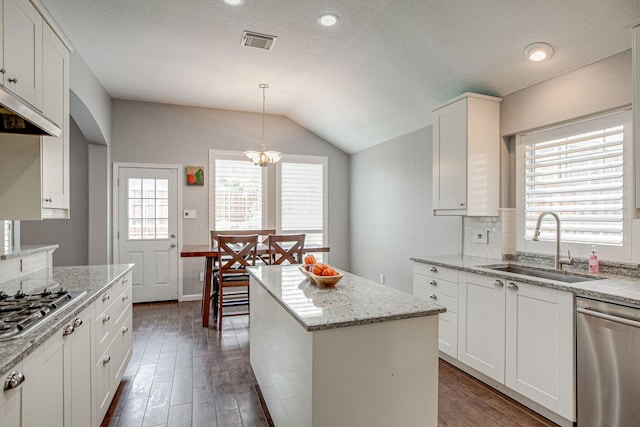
[93, 280]
[25, 250]
[621, 289]
[354, 300]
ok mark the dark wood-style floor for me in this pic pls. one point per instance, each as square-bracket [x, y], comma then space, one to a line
[182, 374]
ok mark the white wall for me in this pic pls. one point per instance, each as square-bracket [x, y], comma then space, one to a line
[170, 134]
[391, 210]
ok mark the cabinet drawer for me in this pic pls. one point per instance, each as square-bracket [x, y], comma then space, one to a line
[438, 285]
[448, 333]
[107, 297]
[441, 299]
[120, 351]
[102, 390]
[109, 322]
[436, 272]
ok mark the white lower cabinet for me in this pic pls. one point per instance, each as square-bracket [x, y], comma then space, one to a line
[77, 368]
[522, 336]
[440, 284]
[113, 343]
[540, 346]
[481, 338]
[66, 382]
[43, 388]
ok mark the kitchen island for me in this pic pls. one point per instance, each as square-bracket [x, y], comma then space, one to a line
[360, 354]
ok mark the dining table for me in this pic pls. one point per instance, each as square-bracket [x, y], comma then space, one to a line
[210, 254]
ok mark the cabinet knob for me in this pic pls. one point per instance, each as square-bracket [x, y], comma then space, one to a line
[14, 379]
[125, 297]
[433, 270]
[106, 359]
[498, 283]
[105, 297]
[13, 80]
[68, 330]
[3, 71]
[513, 286]
[124, 280]
[77, 322]
[106, 318]
[433, 283]
[433, 296]
[125, 329]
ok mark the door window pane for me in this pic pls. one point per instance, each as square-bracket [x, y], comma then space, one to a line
[148, 208]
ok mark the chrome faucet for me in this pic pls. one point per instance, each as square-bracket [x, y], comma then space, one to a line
[536, 234]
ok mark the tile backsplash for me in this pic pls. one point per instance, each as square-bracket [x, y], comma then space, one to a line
[489, 236]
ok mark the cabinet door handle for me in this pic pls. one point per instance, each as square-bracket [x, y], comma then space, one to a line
[77, 322]
[106, 318]
[106, 359]
[125, 329]
[513, 286]
[49, 199]
[3, 71]
[14, 379]
[433, 283]
[498, 283]
[433, 296]
[13, 80]
[433, 270]
[68, 330]
[105, 297]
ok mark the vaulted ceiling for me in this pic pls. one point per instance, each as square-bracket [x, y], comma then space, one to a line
[373, 76]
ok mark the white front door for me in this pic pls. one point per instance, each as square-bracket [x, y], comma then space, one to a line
[147, 230]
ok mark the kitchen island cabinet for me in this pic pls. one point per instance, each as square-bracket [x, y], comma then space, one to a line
[361, 354]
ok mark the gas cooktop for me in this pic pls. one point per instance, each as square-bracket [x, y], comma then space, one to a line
[23, 313]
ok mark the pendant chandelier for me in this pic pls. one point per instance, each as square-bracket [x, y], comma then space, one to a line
[263, 158]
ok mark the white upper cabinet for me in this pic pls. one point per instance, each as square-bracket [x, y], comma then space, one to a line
[22, 50]
[466, 156]
[34, 170]
[55, 103]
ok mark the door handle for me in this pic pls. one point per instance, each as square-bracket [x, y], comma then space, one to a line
[173, 245]
[173, 236]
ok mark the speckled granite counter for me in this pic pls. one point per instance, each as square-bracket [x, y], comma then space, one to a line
[620, 289]
[93, 280]
[354, 301]
[26, 250]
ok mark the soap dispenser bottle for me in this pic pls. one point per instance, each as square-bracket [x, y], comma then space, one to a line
[593, 260]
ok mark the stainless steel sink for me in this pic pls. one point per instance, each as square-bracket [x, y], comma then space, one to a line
[543, 274]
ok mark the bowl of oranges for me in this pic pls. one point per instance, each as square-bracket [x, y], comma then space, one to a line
[320, 274]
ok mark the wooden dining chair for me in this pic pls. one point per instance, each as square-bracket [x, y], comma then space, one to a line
[285, 248]
[262, 234]
[235, 254]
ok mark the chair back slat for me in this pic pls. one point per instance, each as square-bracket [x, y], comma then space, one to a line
[285, 248]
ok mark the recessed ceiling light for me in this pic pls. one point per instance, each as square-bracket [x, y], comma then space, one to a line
[234, 2]
[328, 19]
[538, 52]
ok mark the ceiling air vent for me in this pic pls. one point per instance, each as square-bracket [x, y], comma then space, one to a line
[261, 41]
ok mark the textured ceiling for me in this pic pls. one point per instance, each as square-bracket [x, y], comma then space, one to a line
[376, 75]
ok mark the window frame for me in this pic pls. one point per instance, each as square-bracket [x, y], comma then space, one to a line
[240, 156]
[582, 250]
[321, 160]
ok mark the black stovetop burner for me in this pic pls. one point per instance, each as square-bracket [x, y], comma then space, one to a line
[22, 312]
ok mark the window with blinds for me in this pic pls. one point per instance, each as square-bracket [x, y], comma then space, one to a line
[238, 197]
[301, 192]
[578, 172]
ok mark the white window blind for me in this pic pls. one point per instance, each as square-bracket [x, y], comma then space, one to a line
[577, 171]
[238, 194]
[302, 197]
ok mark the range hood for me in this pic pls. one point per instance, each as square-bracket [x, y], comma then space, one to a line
[16, 116]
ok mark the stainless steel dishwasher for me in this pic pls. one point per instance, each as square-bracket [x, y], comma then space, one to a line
[608, 364]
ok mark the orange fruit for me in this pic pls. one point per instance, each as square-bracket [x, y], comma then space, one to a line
[310, 259]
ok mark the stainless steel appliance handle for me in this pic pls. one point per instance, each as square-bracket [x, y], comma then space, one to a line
[605, 316]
